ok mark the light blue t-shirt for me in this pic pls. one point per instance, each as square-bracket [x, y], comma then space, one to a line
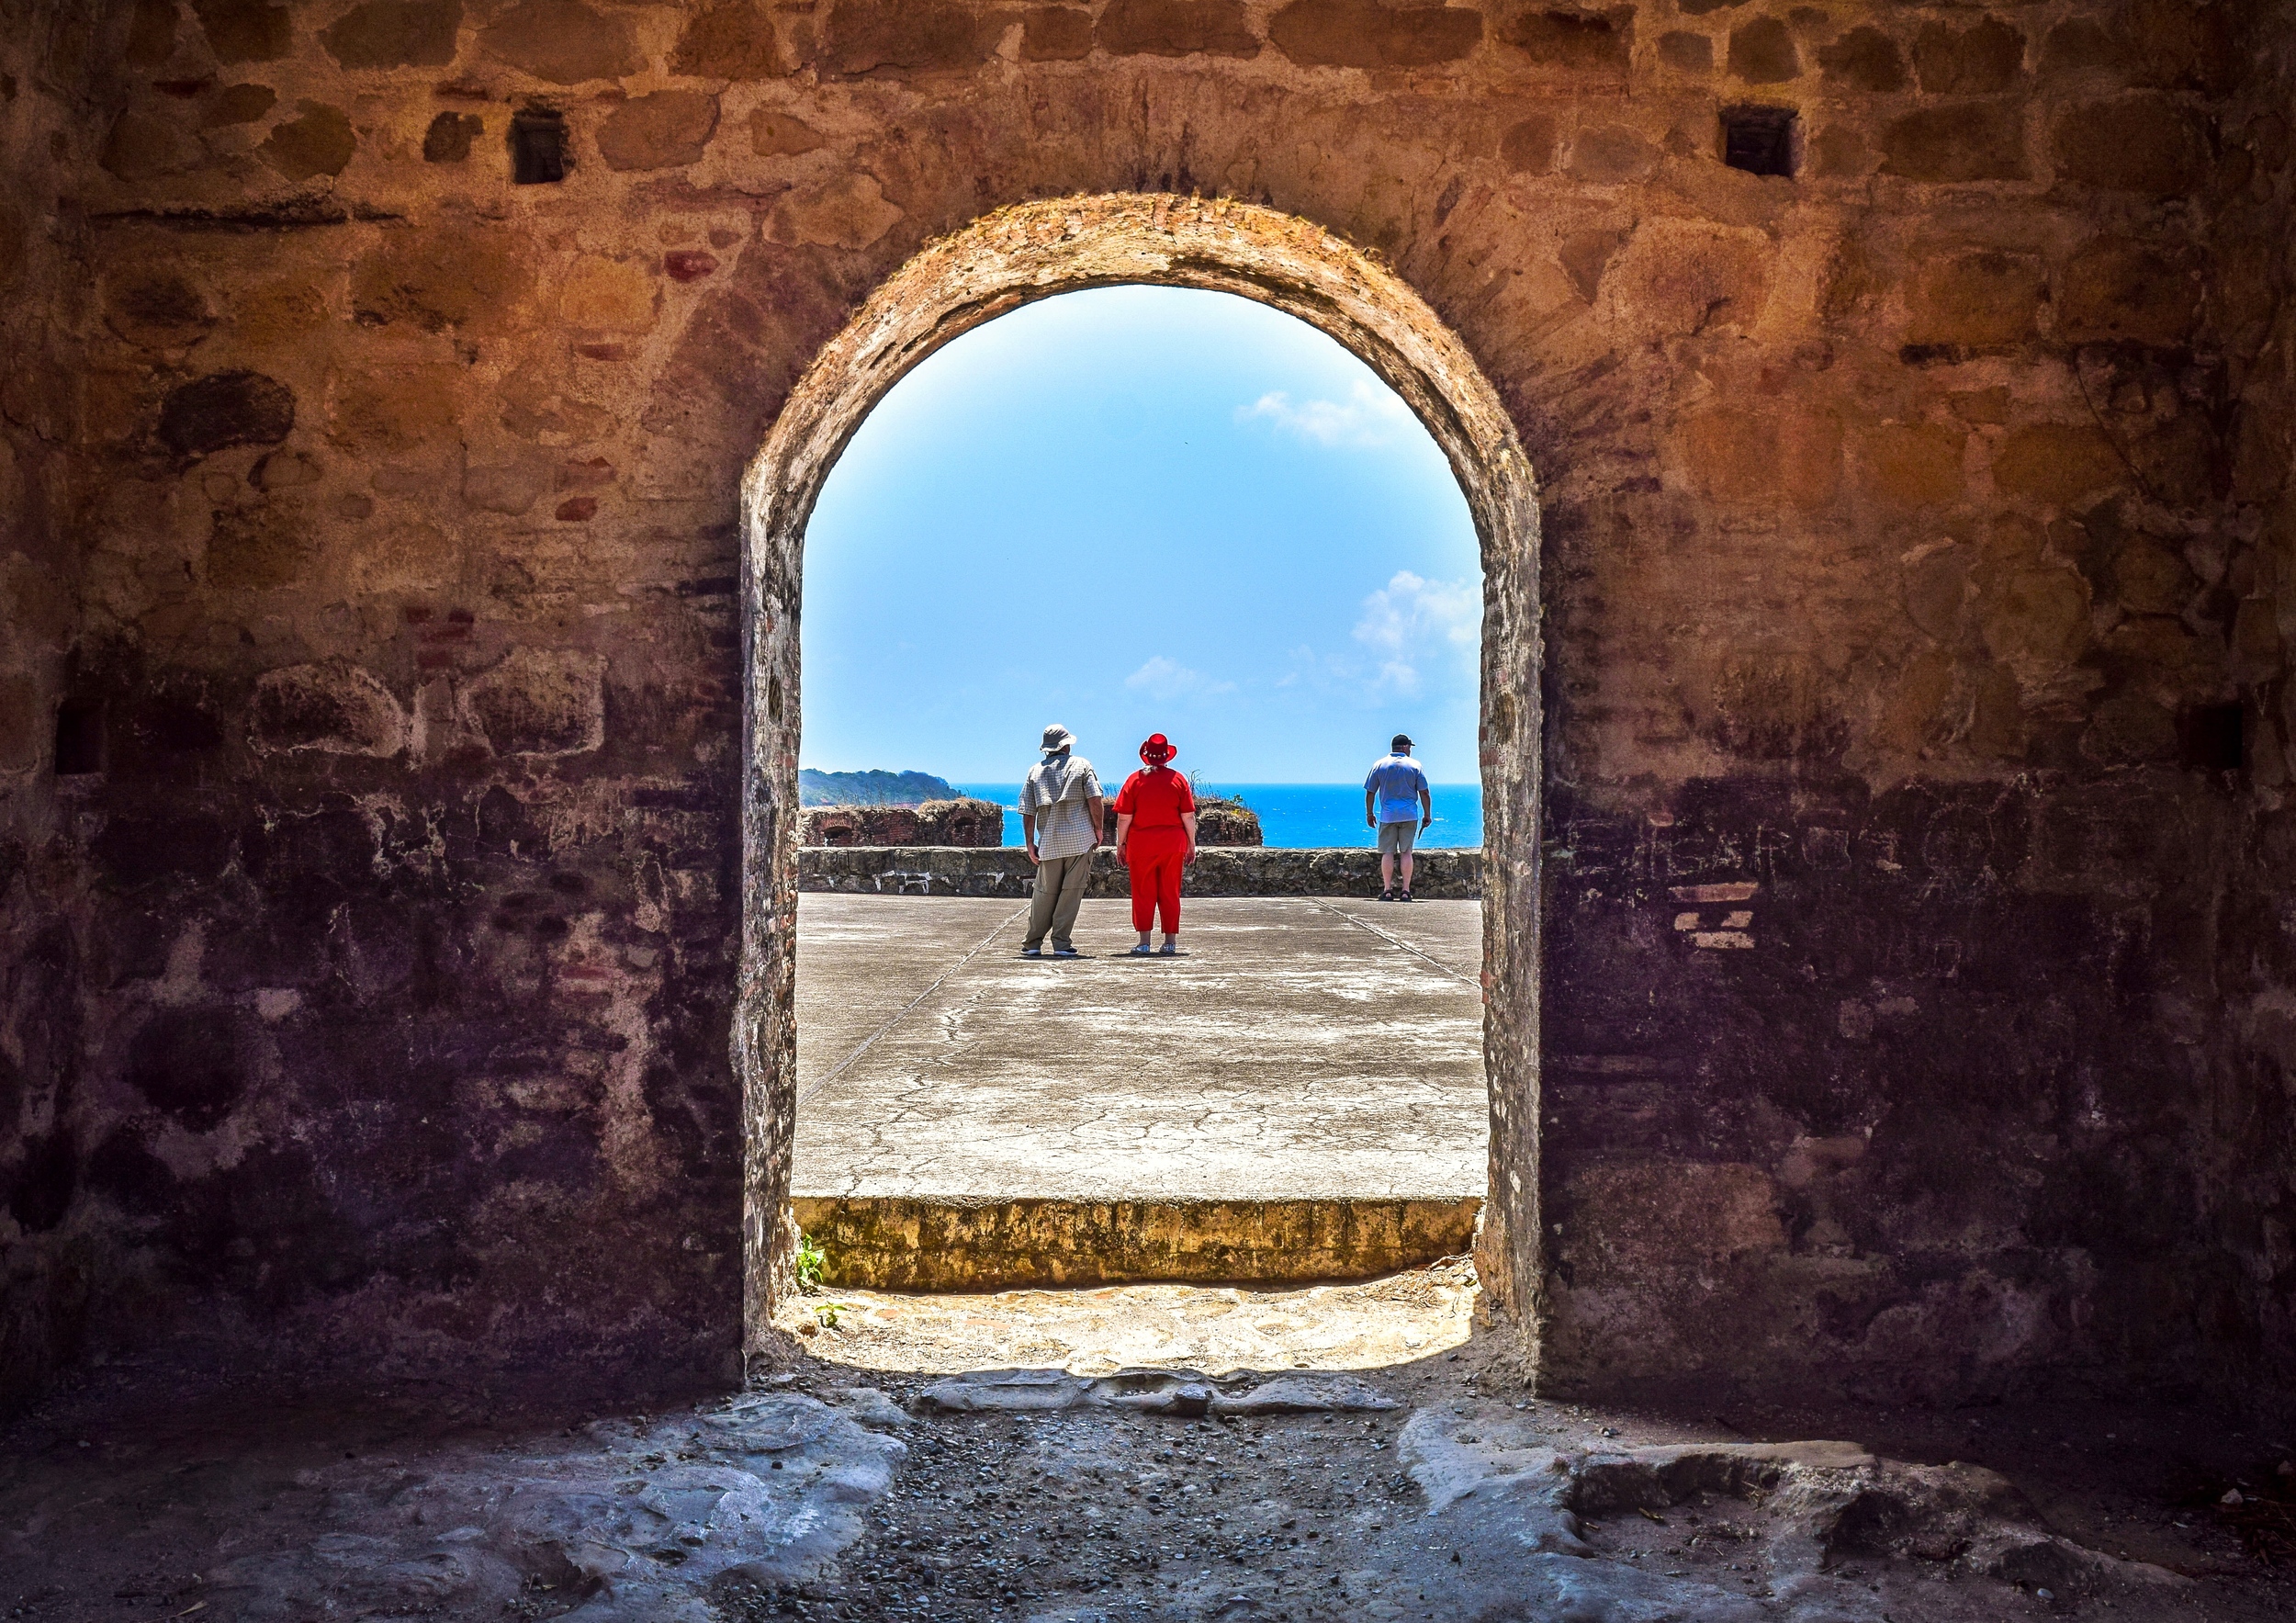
[1398, 780]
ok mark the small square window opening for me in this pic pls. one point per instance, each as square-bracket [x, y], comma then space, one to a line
[1760, 140]
[537, 146]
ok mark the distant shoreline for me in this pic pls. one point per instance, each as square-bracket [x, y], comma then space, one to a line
[1298, 816]
[876, 787]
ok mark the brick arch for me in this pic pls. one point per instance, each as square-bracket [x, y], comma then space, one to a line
[1035, 250]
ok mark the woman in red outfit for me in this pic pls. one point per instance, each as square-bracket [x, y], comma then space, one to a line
[1155, 833]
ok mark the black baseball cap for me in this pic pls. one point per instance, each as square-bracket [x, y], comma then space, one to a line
[1400, 741]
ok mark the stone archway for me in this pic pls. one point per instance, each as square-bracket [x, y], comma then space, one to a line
[1035, 250]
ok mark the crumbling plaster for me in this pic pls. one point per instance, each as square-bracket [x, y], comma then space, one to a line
[1914, 988]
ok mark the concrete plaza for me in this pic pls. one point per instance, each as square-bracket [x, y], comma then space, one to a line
[1307, 1062]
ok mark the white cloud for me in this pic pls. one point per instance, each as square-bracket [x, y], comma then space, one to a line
[1370, 415]
[1412, 623]
[1414, 639]
[1165, 679]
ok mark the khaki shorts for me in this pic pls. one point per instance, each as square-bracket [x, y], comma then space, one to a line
[1396, 838]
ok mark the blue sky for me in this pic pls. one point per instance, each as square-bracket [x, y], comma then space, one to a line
[1134, 509]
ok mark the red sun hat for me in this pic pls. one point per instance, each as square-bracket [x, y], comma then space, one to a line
[1158, 749]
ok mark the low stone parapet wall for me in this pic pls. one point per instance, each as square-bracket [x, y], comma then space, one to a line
[964, 821]
[1243, 870]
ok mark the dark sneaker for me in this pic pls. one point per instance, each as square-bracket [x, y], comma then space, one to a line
[1067, 953]
[1032, 951]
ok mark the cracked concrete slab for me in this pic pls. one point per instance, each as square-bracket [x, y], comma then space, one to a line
[1301, 1095]
[1294, 1052]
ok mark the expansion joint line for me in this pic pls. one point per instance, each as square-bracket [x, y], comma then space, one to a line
[846, 1064]
[1438, 966]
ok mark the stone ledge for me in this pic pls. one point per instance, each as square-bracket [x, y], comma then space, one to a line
[1448, 875]
[953, 1242]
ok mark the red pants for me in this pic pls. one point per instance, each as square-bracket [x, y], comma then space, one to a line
[1153, 855]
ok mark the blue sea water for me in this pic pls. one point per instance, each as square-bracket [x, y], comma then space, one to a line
[1299, 816]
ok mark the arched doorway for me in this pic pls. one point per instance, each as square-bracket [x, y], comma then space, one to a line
[1035, 250]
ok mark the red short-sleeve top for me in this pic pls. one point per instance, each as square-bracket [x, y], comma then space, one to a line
[1155, 797]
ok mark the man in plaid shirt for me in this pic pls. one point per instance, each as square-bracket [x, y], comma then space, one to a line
[1060, 808]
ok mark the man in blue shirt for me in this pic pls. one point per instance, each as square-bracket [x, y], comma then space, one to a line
[1396, 803]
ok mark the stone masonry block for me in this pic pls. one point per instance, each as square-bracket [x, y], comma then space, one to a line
[1971, 140]
[2056, 462]
[1681, 276]
[317, 141]
[1968, 62]
[1624, 1222]
[226, 408]
[1987, 300]
[601, 295]
[141, 145]
[1579, 43]
[662, 130]
[781, 135]
[1608, 154]
[732, 41]
[1763, 52]
[862, 38]
[394, 34]
[2116, 289]
[330, 709]
[2144, 143]
[389, 410]
[1737, 455]
[562, 42]
[540, 701]
[445, 277]
[265, 545]
[1175, 28]
[1373, 33]
[1864, 59]
[1906, 464]
[245, 30]
[1055, 33]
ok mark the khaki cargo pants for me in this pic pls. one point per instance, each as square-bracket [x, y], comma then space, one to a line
[1060, 891]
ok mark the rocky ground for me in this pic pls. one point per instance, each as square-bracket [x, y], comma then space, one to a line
[1142, 1453]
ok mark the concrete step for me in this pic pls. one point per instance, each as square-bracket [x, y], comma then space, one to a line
[964, 1243]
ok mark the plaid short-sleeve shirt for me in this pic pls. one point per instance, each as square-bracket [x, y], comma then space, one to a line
[1056, 794]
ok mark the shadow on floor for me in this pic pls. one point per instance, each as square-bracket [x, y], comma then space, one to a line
[1320, 1466]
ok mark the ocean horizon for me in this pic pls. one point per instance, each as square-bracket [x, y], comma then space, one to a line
[1297, 816]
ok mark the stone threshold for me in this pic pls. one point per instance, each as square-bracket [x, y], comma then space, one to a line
[1451, 873]
[961, 1243]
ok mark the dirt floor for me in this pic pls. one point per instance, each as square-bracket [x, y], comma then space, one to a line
[1350, 1452]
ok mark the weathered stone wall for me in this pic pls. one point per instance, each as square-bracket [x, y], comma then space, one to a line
[1937, 859]
[1916, 983]
[45, 1274]
[935, 822]
[1227, 822]
[1227, 871]
[2235, 1029]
